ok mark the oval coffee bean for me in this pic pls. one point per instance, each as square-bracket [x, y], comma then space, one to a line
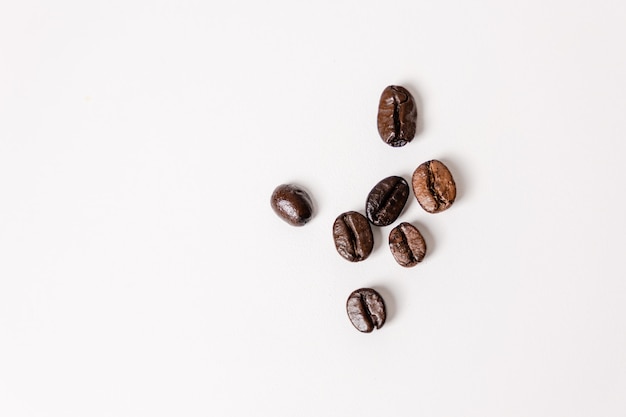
[292, 204]
[366, 310]
[386, 200]
[407, 244]
[397, 116]
[434, 186]
[353, 236]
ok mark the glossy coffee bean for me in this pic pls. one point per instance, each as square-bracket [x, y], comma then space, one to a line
[353, 236]
[386, 201]
[434, 186]
[366, 310]
[407, 245]
[292, 204]
[397, 116]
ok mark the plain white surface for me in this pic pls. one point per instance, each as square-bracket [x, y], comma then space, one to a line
[143, 273]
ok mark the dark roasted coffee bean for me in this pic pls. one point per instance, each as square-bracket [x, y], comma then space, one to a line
[353, 236]
[292, 204]
[366, 310]
[407, 244]
[434, 186]
[397, 116]
[386, 200]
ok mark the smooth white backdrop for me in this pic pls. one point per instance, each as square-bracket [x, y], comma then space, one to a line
[142, 271]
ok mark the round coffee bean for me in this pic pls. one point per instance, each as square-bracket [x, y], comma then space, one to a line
[292, 204]
[386, 200]
[434, 186]
[397, 116]
[366, 310]
[353, 236]
[407, 244]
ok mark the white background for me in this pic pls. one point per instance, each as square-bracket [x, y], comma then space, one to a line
[143, 273]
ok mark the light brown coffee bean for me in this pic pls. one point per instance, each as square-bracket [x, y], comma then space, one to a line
[434, 186]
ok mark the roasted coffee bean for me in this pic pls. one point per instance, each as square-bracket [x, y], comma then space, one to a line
[366, 310]
[397, 116]
[353, 236]
[434, 186]
[386, 201]
[407, 244]
[292, 204]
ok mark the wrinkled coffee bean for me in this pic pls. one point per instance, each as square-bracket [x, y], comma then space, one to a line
[407, 244]
[353, 236]
[366, 310]
[292, 204]
[397, 116]
[386, 200]
[434, 186]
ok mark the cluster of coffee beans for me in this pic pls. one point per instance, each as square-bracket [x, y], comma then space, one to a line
[433, 187]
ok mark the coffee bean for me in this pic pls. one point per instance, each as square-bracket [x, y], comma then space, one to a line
[292, 204]
[397, 116]
[386, 200]
[353, 236]
[407, 244]
[434, 186]
[366, 310]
